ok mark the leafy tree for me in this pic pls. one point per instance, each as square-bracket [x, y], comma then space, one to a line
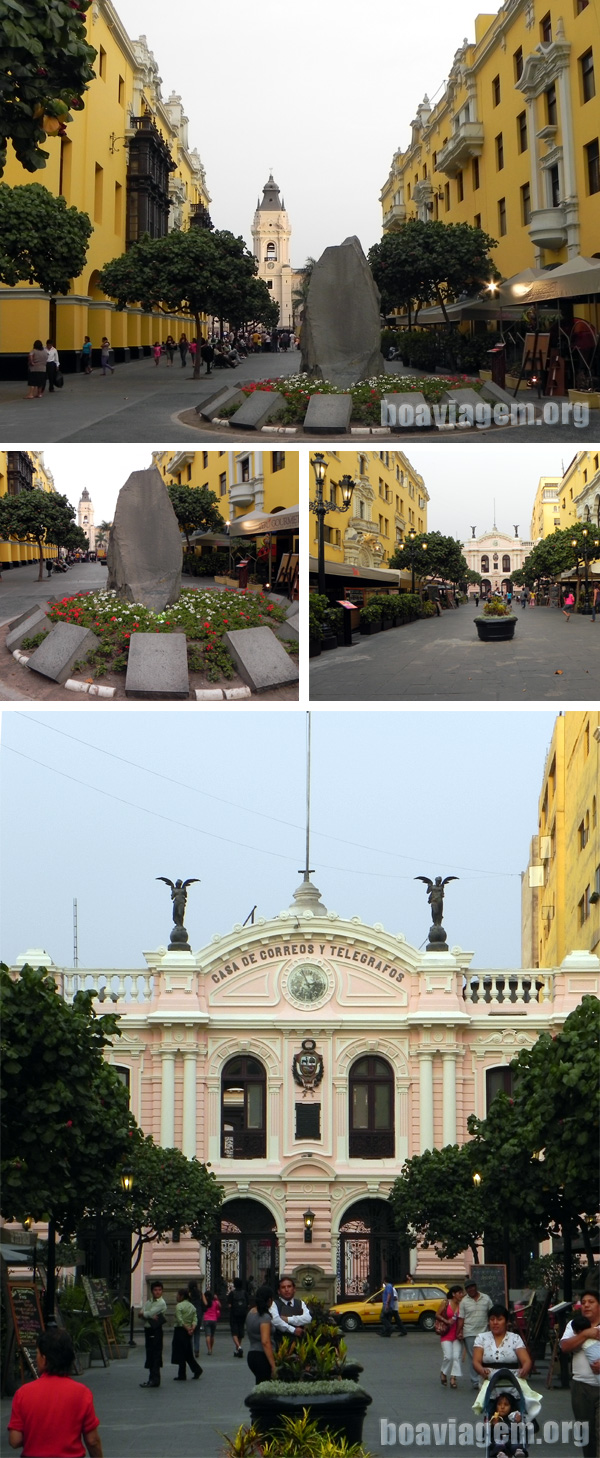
[431, 262]
[556, 554]
[169, 1193]
[41, 516]
[436, 1203]
[46, 67]
[436, 556]
[65, 1118]
[538, 1149]
[198, 272]
[471, 576]
[196, 510]
[41, 239]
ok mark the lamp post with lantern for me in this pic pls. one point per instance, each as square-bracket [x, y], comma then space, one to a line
[586, 550]
[320, 507]
[127, 1179]
[412, 548]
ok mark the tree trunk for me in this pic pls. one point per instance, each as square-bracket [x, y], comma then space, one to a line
[585, 1235]
[442, 304]
[198, 356]
[41, 552]
[568, 1260]
[49, 1297]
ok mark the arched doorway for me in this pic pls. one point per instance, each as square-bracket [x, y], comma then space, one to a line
[486, 586]
[369, 1249]
[506, 584]
[247, 1246]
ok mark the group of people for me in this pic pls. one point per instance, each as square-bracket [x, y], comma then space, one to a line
[43, 368]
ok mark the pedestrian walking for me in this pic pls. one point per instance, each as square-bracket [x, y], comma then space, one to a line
[473, 1317]
[476, 599]
[195, 1296]
[208, 354]
[446, 1322]
[186, 1321]
[585, 1383]
[193, 348]
[105, 356]
[595, 602]
[389, 1310]
[49, 566]
[524, 597]
[237, 1302]
[86, 355]
[154, 1313]
[183, 348]
[37, 360]
[54, 1414]
[212, 1312]
[170, 347]
[260, 1359]
[52, 365]
[156, 350]
[568, 605]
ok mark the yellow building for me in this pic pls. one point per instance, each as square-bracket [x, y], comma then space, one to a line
[244, 481]
[545, 515]
[389, 498]
[126, 162]
[512, 144]
[561, 887]
[580, 489]
[23, 471]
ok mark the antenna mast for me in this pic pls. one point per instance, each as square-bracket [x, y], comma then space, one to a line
[307, 868]
[75, 949]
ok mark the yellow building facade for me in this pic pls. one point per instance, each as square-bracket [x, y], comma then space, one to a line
[512, 144]
[580, 489]
[126, 161]
[561, 887]
[545, 515]
[243, 481]
[23, 471]
[390, 498]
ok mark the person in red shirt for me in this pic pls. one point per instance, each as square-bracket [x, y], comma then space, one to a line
[49, 1418]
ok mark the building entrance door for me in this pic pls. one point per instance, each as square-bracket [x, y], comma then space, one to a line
[369, 1250]
[247, 1246]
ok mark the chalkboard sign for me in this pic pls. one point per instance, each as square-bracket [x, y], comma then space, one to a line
[28, 1322]
[98, 1296]
[492, 1280]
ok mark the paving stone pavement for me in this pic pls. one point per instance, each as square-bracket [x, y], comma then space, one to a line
[443, 659]
[401, 1376]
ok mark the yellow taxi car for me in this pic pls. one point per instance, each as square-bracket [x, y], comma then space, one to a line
[417, 1305]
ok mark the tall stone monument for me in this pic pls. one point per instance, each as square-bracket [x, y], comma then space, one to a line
[341, 328]
[144, 551]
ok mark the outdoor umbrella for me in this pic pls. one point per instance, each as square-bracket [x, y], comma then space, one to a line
[576, 279]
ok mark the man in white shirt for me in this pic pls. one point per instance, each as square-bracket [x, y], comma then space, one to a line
[472, 1320]
[585, 1384]
[288, 1313]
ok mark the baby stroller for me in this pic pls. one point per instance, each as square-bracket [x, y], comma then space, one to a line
[504, 1383]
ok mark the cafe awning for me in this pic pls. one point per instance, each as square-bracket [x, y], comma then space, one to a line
[389, 575]
[260, 523]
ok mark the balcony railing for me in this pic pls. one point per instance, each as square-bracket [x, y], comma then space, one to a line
[243, 493]
[248, 1145]
[371, 1145]
[466, 142]
[548, 228]
[514, 987]
[395, 216]
[112, 987]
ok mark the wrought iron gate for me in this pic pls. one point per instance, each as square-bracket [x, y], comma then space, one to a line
[255, 1258]
[365, 1260]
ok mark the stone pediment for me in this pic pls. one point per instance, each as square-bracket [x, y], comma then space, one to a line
[313, 972]
[308, 1167]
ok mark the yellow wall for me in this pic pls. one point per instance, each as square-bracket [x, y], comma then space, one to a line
[272, 477]
[89, 168]
[426, 162]
[578, 474]
[569, 840]
[545, 516]
[13, 553]
[389, 498]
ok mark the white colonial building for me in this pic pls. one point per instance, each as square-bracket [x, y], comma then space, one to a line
[271, 234]
[496, 555]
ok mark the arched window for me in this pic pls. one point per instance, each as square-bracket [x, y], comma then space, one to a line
[271, 250]
[124, 1074]
[371, 1109]
[497, 1080]
[485, 564]
[506, 562]
[243, 1106]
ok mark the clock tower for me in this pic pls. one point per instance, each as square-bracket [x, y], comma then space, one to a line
[271, 233]
[85, 518]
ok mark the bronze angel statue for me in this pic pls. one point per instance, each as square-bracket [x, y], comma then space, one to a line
[178, 896]
[436, 895]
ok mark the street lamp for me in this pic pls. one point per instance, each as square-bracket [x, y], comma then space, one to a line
[320, 507]
[309, 1220]
[477, 1179]
[589, 551]
[409, 546]
[127, 1179]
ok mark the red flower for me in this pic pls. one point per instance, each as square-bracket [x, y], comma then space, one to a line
[69, 1124]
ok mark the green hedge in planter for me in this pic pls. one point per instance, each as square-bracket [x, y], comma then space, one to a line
[297, 1438]
[210, 564]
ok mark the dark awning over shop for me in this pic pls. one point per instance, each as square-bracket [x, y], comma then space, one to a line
[258, 524]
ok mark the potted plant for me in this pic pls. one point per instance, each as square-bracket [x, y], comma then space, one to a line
[120, 1323]
[297, 1438]
[370, 618]
[388, 610]
[315, 635]
[313, 1377]
[497, 623]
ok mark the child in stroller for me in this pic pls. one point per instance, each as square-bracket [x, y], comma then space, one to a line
[505, 1414]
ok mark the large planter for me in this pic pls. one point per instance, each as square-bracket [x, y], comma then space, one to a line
[585, 397]
[367, 629]
[496, 630]
[342, 1412]
[314, 647]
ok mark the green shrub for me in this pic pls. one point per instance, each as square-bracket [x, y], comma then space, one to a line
[209, 564]
[371, 613]
[496, 609]
[427, 609]
[35, 641]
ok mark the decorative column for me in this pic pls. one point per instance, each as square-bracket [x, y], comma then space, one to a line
[273, 1120]
[536, 201]
[426, 1100]
[188, 1141]
[449, 1099]
[167, 1101]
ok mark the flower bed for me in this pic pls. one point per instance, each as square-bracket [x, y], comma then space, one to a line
[204, 617]
[366, 396]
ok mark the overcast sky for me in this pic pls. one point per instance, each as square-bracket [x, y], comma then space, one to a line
[323, 95]
[93, 813]
[462, 480]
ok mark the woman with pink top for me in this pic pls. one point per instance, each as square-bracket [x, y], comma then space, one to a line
[447, 1315]
[212, 1312]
